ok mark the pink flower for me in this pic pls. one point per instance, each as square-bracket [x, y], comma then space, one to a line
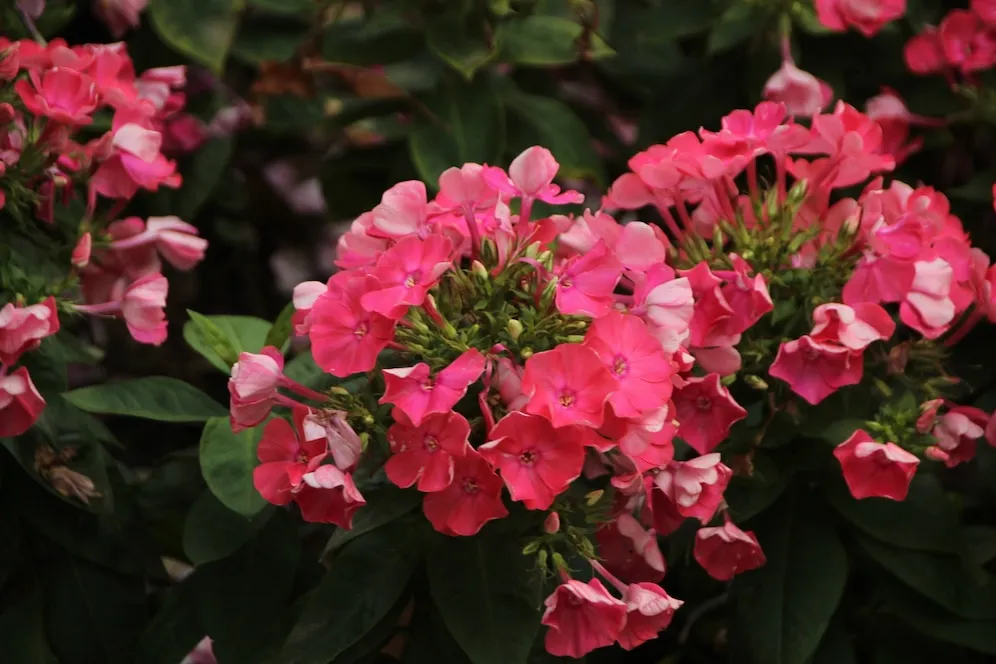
[60, 93]
[967, 42]
[135, 162]
[403, 212]
[329, 495]
[725, 551]
[253, 387]
[285, 459]
[585, 283]
[177, 241]
[705, 411]
[873, 469]
[183, 133]
[854, 327]
[868, 16]
[82, 250]
[567, 385]
[304, 297]
[666, 303]
[637, 245]
[357, 248]
[928, 308]
[345, 337]
[582, 617]
[530, 176]
[747, 296]
[924, 53]
[748, 134]
[470, 501]
[986, 10]
[802, 93]
[20, 403]
[635, 360]
[23, 328]
[816, 370]
[120, 15]
[536, 461]
[957, 432]
[406, 272]
[648, 611]
[632, 555]
[646, 440]
[418, 394]
[342, 442]
[143, 309]
[425, 453]
[692, 489]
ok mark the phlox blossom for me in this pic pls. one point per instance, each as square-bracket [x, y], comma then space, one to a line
[815, 370]
[873, 469]
[472, 499]
[406, 272]
[725, 551]
[705, 411]
[418, 394]
[345, 337]
[424, 454]
[582, 617]
[567, 385]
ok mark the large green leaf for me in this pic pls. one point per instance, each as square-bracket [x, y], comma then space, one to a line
[22, 632]
[547, 40]
[153, 398]
[202, 30]
[384, 504]
[384, 37]
[202, 172]
[785, 606]
[837, 645]
[552, 124]
[269, 38]
[488, 594]
[468, 125]
[284, 6]
[737, 24]
[364, 582]
[212, 531]
[220, 339]
[176, 628]
[227, 462]
[465, 49]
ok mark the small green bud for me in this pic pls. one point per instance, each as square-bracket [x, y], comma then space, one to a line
[526, 353]
[559, 562]
[756, 382]
[514, 328]
[593, 497]
[479, 271]
[575, 338]
[531, 548]
[340, 390]
[541, 558]
[728, 380]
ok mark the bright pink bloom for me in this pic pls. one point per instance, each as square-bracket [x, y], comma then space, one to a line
[957, 432]
[725, 551]
[82, 251]
[854, 143]
[60, 93]
[854, 327]
[253, 387]
[646, 440]
[924, 53]
[816, 370]
[986, 9]
[968, 43]
[867, 16]
[357, 248]
[802, 93]
[23, 328]
[530, 176]
[120, 15]
[667, 304]
[464, 188]
[878, 279]
[182, 134]
[648, 611]
[418, 394]
[692, 489]
[875, 470]
[470, 501]
[536, 461]
[329, 495]
[285, 459]
[20, 403]
[143, 309]
[425, 453]
[928, 308]
[406, 272]
[345, 337]
[637, 245]
[567, 385]
[710, 322]
[635, 360]
[582, 617]
[135, 162]
[403, 212]
[585, 283]
[705, 410]
[749, 134]
[747, 296]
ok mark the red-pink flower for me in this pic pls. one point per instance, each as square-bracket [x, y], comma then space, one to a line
[470, 501]
[867, 16]
[536, 461]
[692, 489]
[924, 54]
[82, 251]
[802, 93]
[343, 443]
[567, 385]
[425, 453]
[406, 272]
[177, 241]
[854, 327]
[253, 387]
[648, 611]
[816, 370]
[530, 176]
[633, 555]
[957, 432]
[725, 551]
[20, 403]
[646, 440]
[357, 248]
[345, 337]
[23, 328]
[928, 308]
[418, 394]
[986, 9]
[143, 309]
[873, 469]
[967, 42]
[582, 617]
[60, 93]
[135, 162]
[585, 283]
[285, 459]
[329, 495]
[120, 15]
[635, 360]
[403, 211]
[705, 411]
[747, 296]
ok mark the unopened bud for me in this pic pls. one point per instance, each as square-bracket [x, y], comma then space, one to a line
[756, 382]
[479, 271]
[68, 482]
[7, 113]
[514, 328]
[340, 390]
[591, 498]
[560, 563]
[728, 380]
[552, 523]
[541, 558]
[526, 353]
[531, 548]
[575, 338]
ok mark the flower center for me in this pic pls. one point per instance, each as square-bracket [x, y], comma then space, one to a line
[413, 278]
[528, 457]
[427, 384]
[431, 444]
[567, 283]
[470, 485]
[361, 330]
[567, 398]
[810, 354]
[703, 403]
[620, 366]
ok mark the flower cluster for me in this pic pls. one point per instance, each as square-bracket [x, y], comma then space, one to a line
[560, 358]
[963, 44]
[63, 186]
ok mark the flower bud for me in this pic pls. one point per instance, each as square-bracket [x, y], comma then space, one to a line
[514, 328]
[756, 382]
[7, 113]
[479, 271]
[552, 523]
[593, 497]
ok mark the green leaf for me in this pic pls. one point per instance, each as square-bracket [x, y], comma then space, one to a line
[220, 339]
[202, 30]
[547, 40]
[227, 462]
[384, 505]
[465, 50]
[386, 36]
[153, 398]
[786, 605]
[837, 646]
[735, 26]
[805, 17]
[202, 173]
[553, 124]
[372, 572]
[176, 628]
[282, 328]
[22, 632]
[212, 531]
[469, 126]
[488, 594]
[269, 39]
[429, 641]
[285, 6]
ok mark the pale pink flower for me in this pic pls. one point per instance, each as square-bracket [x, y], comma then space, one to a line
[119, 15]
[582, 617]
[816, 370]
[648, 611]
[692, 489]
[802, 93]
[23, 328]
[253, 387]
[20, 403]
[854, 327]
[928, 308]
